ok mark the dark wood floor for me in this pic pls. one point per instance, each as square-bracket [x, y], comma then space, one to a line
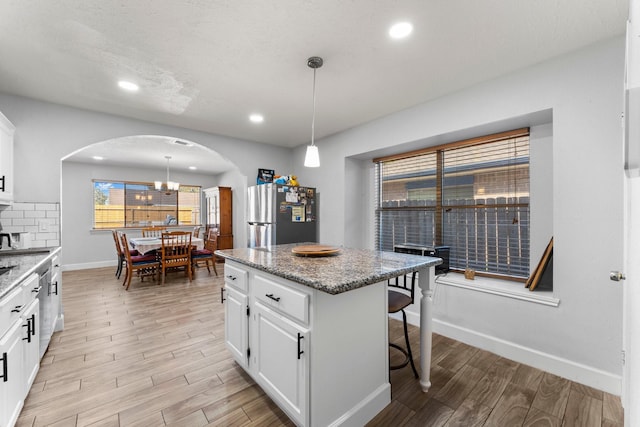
[155, 356]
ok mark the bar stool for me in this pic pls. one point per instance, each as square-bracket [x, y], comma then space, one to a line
[401, 292]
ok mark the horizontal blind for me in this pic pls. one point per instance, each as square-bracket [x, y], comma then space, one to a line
[408, 201]
[472, 197]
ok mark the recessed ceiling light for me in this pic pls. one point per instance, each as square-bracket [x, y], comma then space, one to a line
[193, 168]
[130, 86]
[256, 118]
[98, 158]
[400, 30]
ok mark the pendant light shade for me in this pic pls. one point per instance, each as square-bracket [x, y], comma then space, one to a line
[312, 157]
[170, 185]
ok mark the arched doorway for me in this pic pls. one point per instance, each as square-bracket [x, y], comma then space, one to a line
[136, 158]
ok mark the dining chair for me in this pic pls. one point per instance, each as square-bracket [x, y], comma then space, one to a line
[196, 231]
[153, 231]
[401, 295]
[176, 252]
[122, 259]
[206, 255]
[143, 265]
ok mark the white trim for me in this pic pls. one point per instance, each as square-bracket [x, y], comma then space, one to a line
[88, 265]
[365, 410]
[565, 368]
[504, 288]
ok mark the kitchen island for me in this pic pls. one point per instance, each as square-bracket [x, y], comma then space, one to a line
[313, 331]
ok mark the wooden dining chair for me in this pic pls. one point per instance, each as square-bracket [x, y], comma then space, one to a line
[176, 252]
[196, 231]
[206, 255]
[153, 231]
[122, 259]
[143, 265]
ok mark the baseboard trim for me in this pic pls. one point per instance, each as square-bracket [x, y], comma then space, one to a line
[366, 409]
[88, 265]
[562, 367]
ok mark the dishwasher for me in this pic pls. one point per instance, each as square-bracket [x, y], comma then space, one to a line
[45, 294]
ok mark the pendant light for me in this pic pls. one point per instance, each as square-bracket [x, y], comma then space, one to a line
[171, 186]
[312, 158]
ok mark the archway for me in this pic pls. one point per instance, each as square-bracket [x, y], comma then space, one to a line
[139, 158]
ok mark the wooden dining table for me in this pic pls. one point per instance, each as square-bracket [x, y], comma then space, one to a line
[149, 244]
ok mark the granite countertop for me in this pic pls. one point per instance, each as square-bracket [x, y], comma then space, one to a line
[347, 270]
[25, 262]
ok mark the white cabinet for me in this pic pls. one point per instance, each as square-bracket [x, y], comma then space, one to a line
[6, 160]
[18, 348]
[323, 359]
[280, 361]
[31, 343]
[236, 332]
[12, 382]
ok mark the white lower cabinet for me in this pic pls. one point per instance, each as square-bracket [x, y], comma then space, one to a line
[31, 343]
[236, 331]
[279, 359]
[323, 359]
[12, 382]
[18, 348]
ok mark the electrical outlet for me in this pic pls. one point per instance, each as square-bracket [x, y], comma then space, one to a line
[43, 226]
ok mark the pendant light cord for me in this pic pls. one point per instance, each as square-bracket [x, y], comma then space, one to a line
[313, 117]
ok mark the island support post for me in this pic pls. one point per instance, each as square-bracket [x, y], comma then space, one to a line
[426, 278]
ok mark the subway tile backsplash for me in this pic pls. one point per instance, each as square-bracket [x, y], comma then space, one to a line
[40, 220]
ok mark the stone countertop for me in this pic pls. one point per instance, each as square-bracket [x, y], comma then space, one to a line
[348, 269]
[25, 262]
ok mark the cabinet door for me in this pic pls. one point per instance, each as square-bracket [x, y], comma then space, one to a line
[31, 343]
[12, 372]
[6, 160]
[236, 325]
[280, 361]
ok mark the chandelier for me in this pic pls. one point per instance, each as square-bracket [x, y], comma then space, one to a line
[169, 185]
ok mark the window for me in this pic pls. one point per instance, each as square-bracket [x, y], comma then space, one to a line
[135, 204]
[471, 195]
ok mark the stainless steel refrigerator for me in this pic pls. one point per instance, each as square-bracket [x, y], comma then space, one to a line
[278, 214]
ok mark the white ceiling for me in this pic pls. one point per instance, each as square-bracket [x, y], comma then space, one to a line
[208, 64]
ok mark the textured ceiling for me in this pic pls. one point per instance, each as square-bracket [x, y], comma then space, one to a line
[208, 64]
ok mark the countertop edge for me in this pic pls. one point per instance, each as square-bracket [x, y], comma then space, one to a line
[18, 279]
[345, 285]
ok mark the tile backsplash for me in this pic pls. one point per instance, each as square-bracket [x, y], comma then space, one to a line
[40, 220]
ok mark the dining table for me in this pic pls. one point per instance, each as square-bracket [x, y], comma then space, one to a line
[149, 244]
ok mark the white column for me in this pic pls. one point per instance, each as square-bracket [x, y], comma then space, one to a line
[426, 277]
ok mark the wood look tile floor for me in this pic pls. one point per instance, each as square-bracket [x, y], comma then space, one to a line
[155, 356]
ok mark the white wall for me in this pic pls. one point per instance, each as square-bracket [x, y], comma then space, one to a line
[582, 338]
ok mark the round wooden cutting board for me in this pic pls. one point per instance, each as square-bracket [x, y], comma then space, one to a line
[315, 250]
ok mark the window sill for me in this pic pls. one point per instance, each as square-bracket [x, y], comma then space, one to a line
[504, 288]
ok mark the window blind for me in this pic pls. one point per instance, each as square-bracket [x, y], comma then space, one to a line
[472, 196]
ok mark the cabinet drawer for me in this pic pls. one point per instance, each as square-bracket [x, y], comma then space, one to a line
[235, 277]
[287, 300]
[10, 308]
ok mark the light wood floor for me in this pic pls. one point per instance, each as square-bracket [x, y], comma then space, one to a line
[155, 356]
